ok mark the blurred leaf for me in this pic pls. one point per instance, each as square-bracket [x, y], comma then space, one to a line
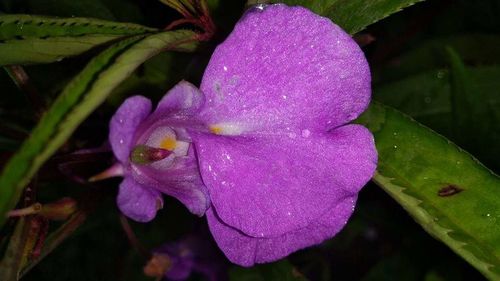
[475, 49]
[448, 192]
[11, 262]
[80, 8]
[80, 97]
[394, 268]
[37, 39]
[56, 238]
[281, 270]
[427, 98]
[471, 117]
[352, 15]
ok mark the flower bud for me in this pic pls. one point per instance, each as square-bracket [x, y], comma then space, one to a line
[59, 210]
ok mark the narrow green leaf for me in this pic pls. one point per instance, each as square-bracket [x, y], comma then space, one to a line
[80, 97]
[9, 265]
[37, 39]
[448, 192]
[353, 15]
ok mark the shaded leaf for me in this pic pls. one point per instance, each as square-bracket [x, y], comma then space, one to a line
[80, 97]
[474, 49]
[353, 15]
[416, 164]
[36, 39]
[56, 238]
[11, 262]
[427, 97]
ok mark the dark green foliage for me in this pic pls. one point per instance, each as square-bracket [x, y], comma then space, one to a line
[436, 61]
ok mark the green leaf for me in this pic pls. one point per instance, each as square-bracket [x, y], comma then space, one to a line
[281, 270]
[448, 192]
[476, 49]
[11, 262]
[352, 15]
[37, 39]
[80, 97]
[427, 97]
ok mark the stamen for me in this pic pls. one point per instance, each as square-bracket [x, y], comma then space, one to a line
[168, 143]
[228, 129]
[143, 154]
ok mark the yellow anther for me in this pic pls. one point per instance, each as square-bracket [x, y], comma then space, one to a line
[215, 130]
[168, 143]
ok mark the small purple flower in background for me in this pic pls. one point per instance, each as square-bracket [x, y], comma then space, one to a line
[268, 132]
[177, 260]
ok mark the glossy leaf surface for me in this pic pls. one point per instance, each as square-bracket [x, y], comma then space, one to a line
[28, 39]
[448, 192]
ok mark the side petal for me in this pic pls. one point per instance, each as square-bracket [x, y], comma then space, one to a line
[246, 250]
[138, 202]
[285, 67]
[184, 98]
[272, 185]
[181, 180]
[177, 110]
[124, 123]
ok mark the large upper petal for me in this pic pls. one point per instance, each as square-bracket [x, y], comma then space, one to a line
[285, 67]
[273, 184]
[138, 202]
[245, 250]
[124, 124]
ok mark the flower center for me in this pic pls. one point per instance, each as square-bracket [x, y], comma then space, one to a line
[143, 154]
[168, 143]
[158, 148]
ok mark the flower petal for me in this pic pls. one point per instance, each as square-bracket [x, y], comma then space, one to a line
[176, 110]
[275, 184]
[245, 250]
[184, 97]
[124, 123]
[138, 202]
[181, 180]
[286, 67]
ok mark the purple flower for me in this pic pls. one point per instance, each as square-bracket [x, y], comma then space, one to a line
[156, 154]
[281, 167]
[193, 253]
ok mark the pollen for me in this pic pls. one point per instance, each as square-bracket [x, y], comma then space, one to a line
[216, 130]
[168, 143]
[226, 129]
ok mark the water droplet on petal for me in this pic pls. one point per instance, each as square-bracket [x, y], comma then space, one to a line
[121, 141]
[306, 133]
